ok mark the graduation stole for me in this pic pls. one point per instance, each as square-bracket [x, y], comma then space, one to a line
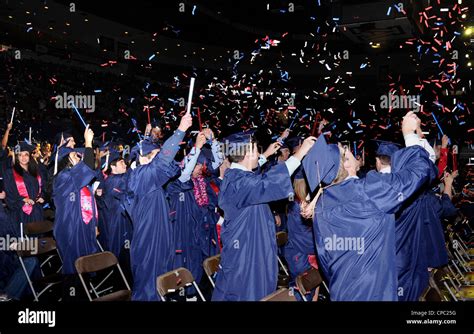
[21, 187]
[214, 187]
[86, 205]
[200, 191]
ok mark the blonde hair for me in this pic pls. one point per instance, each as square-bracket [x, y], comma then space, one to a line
[301, 189]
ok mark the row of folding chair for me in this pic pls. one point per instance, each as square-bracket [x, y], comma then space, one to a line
[455, 281]
[88, 266]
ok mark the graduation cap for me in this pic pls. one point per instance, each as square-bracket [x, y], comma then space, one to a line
[293, 142]
[111, 156]
[236, 140]
[23, 146]
[321, 164]
[64, 151]
[142, 148]
[386, 148]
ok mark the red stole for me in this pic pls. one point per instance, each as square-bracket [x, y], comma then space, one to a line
[86, 205]
[214, 187]
[21, 187]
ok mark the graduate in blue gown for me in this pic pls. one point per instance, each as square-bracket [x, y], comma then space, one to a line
[118, 222]
[437, 208]
[151, 251]
[205, 192]
[248, 269]
[186, 216]
[412, 270]
[76, 211]
[354, 225]
[24, 187]
[300, 247]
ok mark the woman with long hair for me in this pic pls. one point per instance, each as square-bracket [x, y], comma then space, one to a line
[24, 187]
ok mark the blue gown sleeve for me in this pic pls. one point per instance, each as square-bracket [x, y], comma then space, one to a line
[170, 148]
[447, 207]
[263, 188]
[190, 163]
[411, 168]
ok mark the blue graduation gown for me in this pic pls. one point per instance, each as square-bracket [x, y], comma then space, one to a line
[151, 250]
[118, 223]
[354, 228]
[74, 237]
[15, 201]
[249, 268]
[413, 276]
[300, 241]
[186, 220]
[437, 208]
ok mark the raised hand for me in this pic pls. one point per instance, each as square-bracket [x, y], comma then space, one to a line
[272, 149]
[185, 123]
[409, 123]
[200, 140]
[305, 147]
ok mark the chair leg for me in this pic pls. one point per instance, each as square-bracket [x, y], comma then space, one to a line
[85, 287]
[212, 281]
[450, 292]
[283, 267]
[28, 279]
[199, 291]
[123, 276]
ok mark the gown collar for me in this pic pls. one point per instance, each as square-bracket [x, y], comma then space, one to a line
[235, 165]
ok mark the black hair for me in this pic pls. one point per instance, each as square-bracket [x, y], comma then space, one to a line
[32, 167]
[385, 159]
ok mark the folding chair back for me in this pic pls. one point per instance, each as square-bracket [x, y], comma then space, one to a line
[38, 227]
[308, 281]
[35, 247]
[211, 266]
[431, 295]
[174, 280]
[25, 247]
[281, 295]
[97, 262]
[282, 238]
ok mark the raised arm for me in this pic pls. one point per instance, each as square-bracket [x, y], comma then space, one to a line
[191, 159]
[171, 146]
[411, 169]
[6, 135]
